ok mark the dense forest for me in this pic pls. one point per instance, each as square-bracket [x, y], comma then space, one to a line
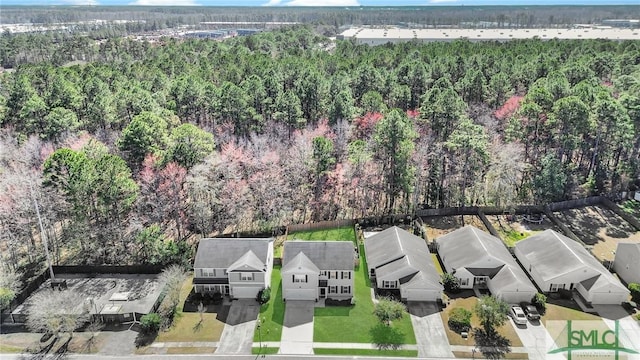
[127, 156]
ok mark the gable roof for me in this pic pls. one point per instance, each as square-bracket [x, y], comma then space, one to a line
[300, 264]
[247, 262]
[553, 254]
[326, 255]
[391, 244]
[398, 253]
[221, 253]
[509, 277]
[466, 246]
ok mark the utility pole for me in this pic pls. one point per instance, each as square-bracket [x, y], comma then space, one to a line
[43, 237]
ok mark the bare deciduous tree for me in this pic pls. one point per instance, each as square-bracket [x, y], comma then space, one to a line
[56, 312]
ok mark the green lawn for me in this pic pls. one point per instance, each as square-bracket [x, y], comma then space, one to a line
[366, 352]
[346, 233]
[356, 323]
[436, 262]
[272, 313]
[188, 326]
[511, 237]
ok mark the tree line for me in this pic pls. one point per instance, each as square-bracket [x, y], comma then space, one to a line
[146, 144]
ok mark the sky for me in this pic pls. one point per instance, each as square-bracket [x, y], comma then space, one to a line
[346, 3]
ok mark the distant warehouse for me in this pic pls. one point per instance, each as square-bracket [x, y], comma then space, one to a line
[380, 36]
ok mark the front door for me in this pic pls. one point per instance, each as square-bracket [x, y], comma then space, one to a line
[323, 293]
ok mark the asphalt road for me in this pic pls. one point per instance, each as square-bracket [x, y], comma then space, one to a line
[203, 356]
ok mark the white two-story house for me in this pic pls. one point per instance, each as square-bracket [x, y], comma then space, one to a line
[313, 270]
[235, 267]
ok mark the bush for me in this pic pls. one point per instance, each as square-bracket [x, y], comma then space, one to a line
[635, 292]
[264, 295]
[150, 323]
[450, 283]
[539, 300]
[638, 316]
[460, 320]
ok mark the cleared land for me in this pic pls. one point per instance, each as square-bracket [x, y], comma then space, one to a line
[441, 225]
[518, 227]
[600, 228]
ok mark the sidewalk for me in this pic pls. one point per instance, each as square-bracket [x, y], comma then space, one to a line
[328, 345]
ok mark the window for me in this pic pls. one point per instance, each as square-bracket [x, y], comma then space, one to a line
[207, 272]
[244, 276]
[333, 274]
[464, 282]
[388, 284]
[324, 273]
[299, 278]
[346, 289]
[346, 275]
[333, 289]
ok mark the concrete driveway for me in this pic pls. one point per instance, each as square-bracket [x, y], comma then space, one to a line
[237, 336]
[628, 327]
[297, 330]
[537, 340]
[429, 330]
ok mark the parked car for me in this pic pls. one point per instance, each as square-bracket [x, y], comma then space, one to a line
[532, 313]
[518, 315]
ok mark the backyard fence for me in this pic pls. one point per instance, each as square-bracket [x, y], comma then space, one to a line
[320, 225]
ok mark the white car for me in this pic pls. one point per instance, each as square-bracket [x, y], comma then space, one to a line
[518, 315]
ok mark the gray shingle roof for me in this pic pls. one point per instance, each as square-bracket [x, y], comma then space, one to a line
[222, 252]
[326, 255]
[467, 245]
[300, 264]
[247, 262]
[398, 252]
[391, 244]
[553, 254]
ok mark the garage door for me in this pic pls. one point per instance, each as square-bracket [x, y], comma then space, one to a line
[300, 294]
[516, 297]
[420, 295]
[245, 292]
[608, 298]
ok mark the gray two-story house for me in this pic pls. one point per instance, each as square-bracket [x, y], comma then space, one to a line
[313, 270]
[235, 267]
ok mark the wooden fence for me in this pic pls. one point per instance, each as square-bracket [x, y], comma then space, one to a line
[320, 225]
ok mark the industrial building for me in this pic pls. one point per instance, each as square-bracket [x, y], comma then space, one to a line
[380, 36]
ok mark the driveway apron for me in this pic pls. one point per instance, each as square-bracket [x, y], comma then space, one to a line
[237, 336]
[429, 330]
[537, 340]
[297, 330]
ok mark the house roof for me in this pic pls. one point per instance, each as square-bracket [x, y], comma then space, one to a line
[466, 246]
[553, 254]
[326, 255]
[247, 262]
[508, 276]
[396, 252]
[300, 264]
[391, 244]
[223, 252]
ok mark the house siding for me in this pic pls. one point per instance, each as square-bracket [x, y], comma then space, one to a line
[627, 266]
